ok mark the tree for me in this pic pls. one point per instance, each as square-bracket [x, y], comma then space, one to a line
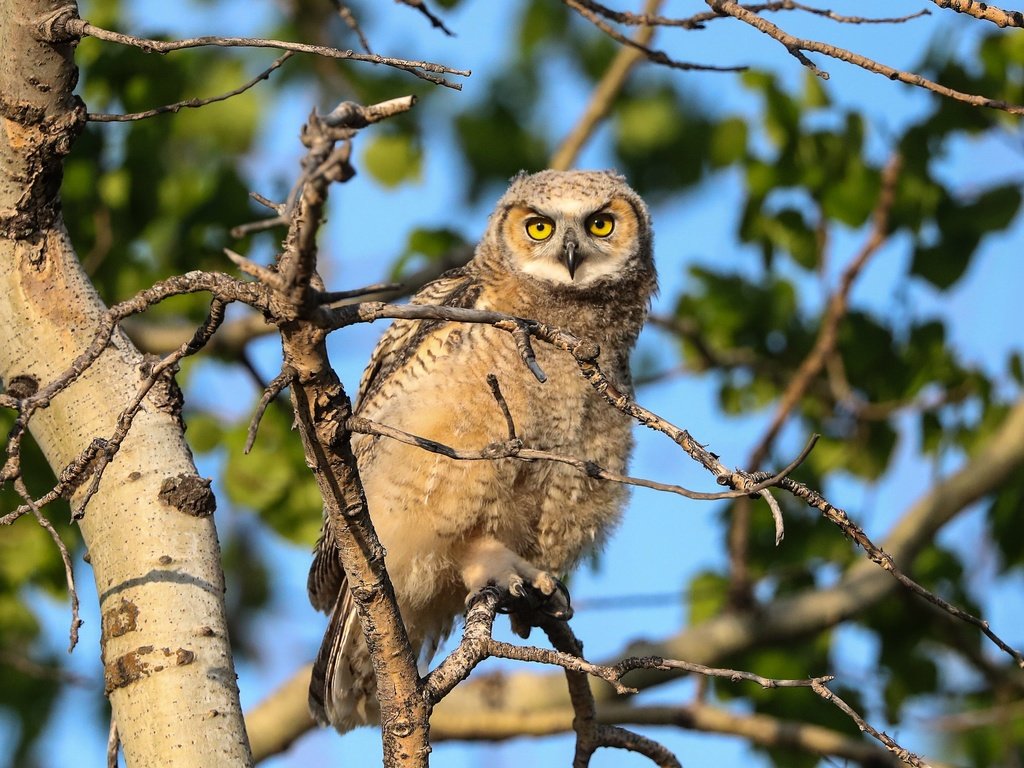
[850, 234]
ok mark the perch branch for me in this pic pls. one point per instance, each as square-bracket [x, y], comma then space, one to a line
[586, 356]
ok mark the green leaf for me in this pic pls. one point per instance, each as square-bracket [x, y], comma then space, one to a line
[393, 158]
[1016, 368]
[728, 142]
[788, 230]
[1005, 514]
[961, 228]
[814, 94]
[708, 593]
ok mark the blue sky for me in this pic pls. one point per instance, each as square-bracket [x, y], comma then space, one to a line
[664, 540]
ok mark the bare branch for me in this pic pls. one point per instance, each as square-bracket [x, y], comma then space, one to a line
[590, 734]
[322, 409]
[268, 277]
[980, 10]
[510, 425]
[697, 21]
[905, 755]
[75, 27]
[349, 114]
[65, 556]
[796, 46]
[352, 23]
[274, 388]
[512, 448]
[100, 451]
[336, 297]
[805, 376]
[191, 103]
[435, 22]
[658, 57]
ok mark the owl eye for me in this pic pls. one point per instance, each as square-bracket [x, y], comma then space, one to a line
[539, 228]
[601, 224]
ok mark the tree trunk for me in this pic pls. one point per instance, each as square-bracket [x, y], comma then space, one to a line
[148, 529]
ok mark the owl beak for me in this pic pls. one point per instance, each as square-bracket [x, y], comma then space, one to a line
[571, 259]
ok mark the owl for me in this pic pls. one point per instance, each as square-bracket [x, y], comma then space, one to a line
[571, 249]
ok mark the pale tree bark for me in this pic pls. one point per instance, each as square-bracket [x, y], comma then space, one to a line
[148, 528]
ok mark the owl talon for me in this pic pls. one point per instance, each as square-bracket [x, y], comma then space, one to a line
[480, 594]
[516, 586]
[558, 605]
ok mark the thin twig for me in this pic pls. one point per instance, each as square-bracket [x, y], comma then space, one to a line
[435, 22]
[590, 734]
[335, 297]
[425, 70]
[903, 754]
[658, 57]
[797, 46]
[352, 23]
[97, 117]
[65, 556]
[838, 303]
[512, 448]
[274, 388]
[100, 451]
[697, 21]
[738, 538]
[267, 276]
[492, 382]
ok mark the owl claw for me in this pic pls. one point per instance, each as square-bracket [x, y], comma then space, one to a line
[516, 586]
[489, 589]
[558, 605]
[527, 593]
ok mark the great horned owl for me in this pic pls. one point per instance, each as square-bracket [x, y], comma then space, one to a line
[572, 249]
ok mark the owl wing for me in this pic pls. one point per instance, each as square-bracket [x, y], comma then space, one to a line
[399, 344]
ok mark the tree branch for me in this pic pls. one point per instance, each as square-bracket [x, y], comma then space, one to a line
[796, 46]
[322, 409]
[69, 26]
[980, 10]
[658, 57]
[98, 117]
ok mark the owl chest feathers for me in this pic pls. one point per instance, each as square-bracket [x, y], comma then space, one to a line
[545, 511]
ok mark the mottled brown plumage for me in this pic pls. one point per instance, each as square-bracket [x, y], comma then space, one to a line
[572, 249]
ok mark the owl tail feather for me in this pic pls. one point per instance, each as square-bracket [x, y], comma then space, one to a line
[343, 689]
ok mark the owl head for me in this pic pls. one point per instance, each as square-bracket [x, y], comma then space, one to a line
[574, 229]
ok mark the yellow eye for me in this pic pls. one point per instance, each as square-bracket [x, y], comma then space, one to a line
[538, 228]
[601, 224]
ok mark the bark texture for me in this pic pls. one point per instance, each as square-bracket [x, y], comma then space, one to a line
[151, 539]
